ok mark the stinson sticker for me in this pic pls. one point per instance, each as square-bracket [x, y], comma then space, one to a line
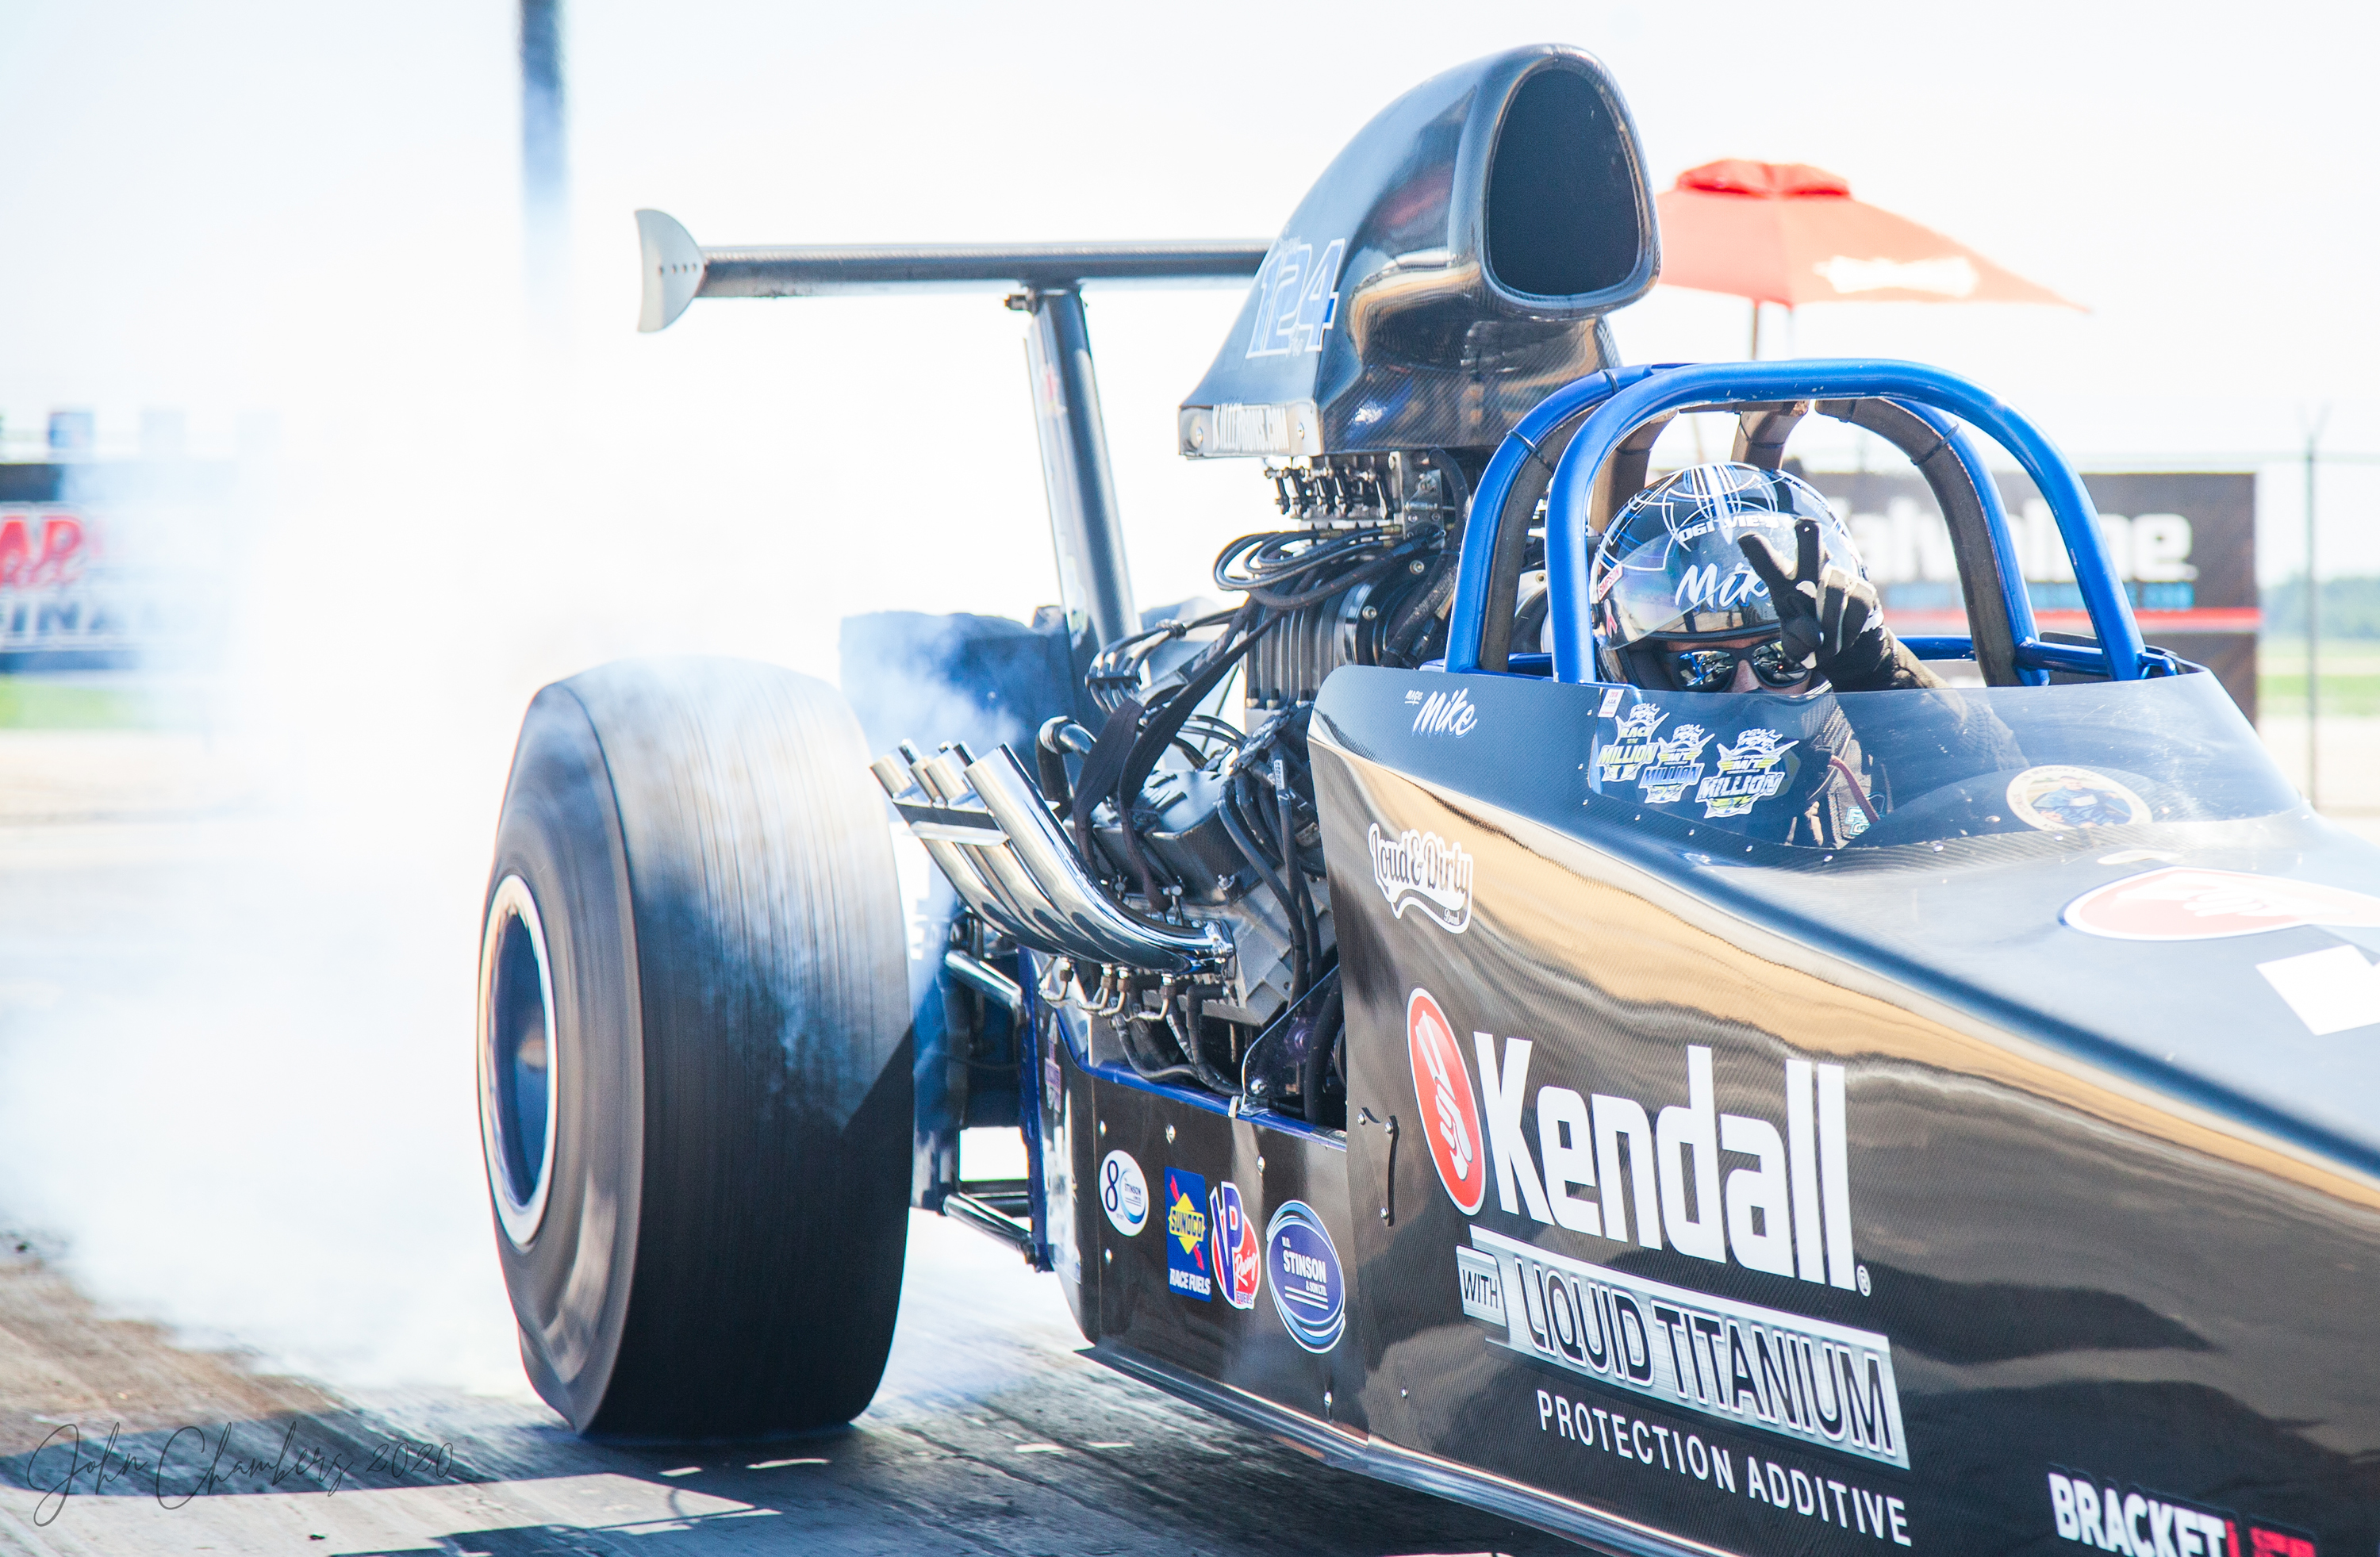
[1307, 1288]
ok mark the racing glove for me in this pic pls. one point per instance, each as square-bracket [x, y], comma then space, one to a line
[1831, 619]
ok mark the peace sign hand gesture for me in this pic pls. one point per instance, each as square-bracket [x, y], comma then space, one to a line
[1832, 621]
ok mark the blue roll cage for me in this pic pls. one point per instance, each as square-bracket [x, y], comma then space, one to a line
[1619, 401]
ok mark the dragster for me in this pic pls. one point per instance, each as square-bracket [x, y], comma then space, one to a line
[1431, 1048]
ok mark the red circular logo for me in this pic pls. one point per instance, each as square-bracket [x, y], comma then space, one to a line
[1449, 1113]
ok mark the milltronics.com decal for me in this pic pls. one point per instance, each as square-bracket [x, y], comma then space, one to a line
[1307, 1287]
[1186, 1269]
[1425, 872]
[1231, 1243]
[1822, 1384]
[1124, 1193]
[2138, 1523]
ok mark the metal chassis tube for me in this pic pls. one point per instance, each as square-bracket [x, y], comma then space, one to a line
[1619, 402]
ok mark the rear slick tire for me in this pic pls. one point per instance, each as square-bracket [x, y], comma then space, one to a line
[693, 1050]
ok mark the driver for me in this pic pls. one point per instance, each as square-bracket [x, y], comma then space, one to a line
[1690, 592]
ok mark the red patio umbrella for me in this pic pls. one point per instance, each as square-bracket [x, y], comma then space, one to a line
[1788, 232]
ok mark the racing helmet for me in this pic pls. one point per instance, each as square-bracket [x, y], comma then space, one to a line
[1669, 569]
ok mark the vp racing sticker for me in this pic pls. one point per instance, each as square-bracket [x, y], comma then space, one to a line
[1450, 1113]
[1124, 1193]
[1186, 1269]
[1425, 872]
[1307, 1288]
[1232, 1242]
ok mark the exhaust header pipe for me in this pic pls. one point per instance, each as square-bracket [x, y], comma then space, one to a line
[987, 826]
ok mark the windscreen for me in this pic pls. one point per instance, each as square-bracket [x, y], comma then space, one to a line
[1872, 769]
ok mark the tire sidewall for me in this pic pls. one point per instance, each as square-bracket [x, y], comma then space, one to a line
[560, 833]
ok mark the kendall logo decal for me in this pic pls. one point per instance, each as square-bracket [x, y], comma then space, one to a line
[2183, 904]
[1446, 713]
[1449, 1113]
[1424, 871]
[1788, 1215]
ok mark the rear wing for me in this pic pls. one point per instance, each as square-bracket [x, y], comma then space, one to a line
[1094, 581]
[676, 269]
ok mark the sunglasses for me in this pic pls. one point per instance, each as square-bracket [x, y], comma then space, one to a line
[1710, 670]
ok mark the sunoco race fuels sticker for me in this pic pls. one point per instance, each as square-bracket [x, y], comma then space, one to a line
[1186, 1268]
[1306, 1285]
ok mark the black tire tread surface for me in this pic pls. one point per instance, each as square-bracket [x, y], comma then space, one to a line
[746, 1105]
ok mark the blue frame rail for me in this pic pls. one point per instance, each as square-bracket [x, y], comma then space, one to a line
[1619, 401]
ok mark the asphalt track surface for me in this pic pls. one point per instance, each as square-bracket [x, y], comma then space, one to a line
[990, 1435]
[119, 1437]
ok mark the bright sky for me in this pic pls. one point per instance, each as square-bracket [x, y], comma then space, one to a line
[313, 210]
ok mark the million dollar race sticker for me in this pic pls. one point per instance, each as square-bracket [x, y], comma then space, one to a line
[1449, 1111]
[1747, 774]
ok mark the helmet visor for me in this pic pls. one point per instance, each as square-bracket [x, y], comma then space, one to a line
[1672, 566]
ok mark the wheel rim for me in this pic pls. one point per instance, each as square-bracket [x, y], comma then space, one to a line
[519, 1061]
